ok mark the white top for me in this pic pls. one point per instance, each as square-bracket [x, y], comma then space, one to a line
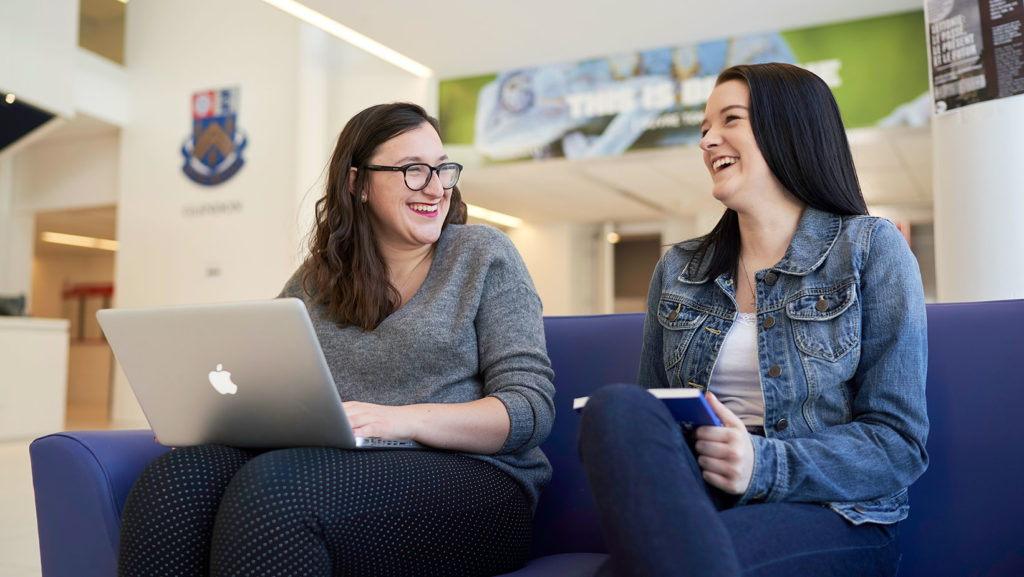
[735, 379]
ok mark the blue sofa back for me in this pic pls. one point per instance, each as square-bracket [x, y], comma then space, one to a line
[966, 516]
[967, 510]
[586, 352]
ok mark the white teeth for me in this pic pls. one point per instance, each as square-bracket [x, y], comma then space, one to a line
[424, 207]
[723, 162]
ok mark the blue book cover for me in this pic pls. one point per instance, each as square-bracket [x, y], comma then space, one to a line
[689, 406]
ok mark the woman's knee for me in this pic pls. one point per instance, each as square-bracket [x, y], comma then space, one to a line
[266, 484]
[208, 468]
[615, 407]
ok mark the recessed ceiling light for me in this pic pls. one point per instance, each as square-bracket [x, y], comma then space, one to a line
[335, 28]
[76, 240]
[493, 216]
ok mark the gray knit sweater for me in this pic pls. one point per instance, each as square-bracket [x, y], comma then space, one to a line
[473, 329]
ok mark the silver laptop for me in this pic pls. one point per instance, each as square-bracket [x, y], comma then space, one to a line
[242, 374]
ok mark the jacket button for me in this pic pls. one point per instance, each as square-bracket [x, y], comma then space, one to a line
[781, 424]
[769, 322]
[770, 278]
[675, 314]
[822, 304]
[775, 371]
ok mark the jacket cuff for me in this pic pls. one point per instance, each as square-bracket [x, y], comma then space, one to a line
[762, 479]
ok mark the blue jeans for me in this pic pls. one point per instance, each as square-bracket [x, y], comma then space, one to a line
[659, 518]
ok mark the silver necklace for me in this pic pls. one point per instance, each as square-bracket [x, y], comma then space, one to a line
[750, 283]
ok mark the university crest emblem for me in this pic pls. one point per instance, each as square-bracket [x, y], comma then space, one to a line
[213, 153]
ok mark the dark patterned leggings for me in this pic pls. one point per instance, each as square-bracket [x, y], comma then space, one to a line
[215, 510]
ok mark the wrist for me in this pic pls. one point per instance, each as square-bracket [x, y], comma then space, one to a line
[415, 419]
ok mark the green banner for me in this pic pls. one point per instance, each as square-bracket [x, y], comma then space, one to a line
[876, 67]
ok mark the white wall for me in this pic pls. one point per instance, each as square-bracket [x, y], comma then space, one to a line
[78, 172]
[167, 255]
[38, 42]
[14, 276]
[564, 260]
[979, 201]
[174, 249]
[100, 89]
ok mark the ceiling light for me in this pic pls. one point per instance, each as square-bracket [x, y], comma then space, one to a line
[613, 238]
[493, 216]
[335, 28]
[10, 98]
[76, 240]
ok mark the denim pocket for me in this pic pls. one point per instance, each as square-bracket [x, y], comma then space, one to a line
[826, 322]
[680, 323]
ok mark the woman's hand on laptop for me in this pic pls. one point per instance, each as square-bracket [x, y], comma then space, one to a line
[479, 426]
[370, 420]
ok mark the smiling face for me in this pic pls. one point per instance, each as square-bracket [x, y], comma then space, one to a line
[403, 218]
[738, 170]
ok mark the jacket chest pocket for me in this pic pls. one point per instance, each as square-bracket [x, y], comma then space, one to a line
[826, 323]
[680, 323]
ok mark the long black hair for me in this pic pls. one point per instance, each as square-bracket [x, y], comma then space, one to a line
[797, 126]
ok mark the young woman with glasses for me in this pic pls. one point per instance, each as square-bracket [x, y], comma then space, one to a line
[804, 320]
[432, 330]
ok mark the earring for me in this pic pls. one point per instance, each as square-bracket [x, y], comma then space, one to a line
[364, 198]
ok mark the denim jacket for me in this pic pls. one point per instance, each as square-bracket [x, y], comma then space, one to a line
[842, 357]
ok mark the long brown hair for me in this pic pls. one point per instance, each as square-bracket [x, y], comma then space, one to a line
[345, 270]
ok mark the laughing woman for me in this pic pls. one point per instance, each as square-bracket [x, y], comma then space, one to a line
[804, 320]
[432, 330]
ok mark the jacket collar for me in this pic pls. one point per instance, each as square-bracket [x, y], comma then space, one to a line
[815, 236]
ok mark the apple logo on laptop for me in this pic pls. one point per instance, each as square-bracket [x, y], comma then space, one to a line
[221, 380]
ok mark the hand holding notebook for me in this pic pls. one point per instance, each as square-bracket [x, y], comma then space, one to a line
[687, 405]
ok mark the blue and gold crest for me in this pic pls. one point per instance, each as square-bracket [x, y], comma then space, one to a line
[213, 153]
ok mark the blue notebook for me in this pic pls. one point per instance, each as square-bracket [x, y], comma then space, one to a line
[688, 406]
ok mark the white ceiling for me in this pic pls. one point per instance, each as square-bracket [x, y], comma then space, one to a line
[465, 37]
[458, 38]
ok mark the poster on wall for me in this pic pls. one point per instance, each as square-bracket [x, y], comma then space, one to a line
[877, 69]
[976, 51]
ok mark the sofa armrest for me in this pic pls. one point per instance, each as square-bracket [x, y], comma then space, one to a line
[81, 481]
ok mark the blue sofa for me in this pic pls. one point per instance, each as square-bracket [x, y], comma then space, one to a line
[966, 517]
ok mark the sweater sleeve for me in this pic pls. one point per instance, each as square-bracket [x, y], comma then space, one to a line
[512, 353]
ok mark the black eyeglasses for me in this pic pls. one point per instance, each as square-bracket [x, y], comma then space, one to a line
[417, 175]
